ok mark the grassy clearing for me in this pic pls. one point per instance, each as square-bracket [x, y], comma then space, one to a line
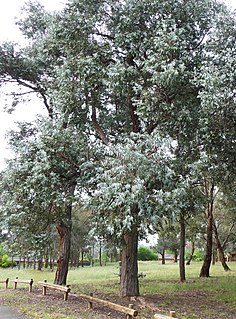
[196, 298]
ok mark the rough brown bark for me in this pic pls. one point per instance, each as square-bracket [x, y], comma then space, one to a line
[182, 250]
[205, 270]
[64, 230]
[64, 253]
[129, 285]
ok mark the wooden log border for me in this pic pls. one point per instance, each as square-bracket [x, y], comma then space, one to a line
[46, 285]
[129, 311]
[23, 281]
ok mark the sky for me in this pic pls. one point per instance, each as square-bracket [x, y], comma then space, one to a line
[9, 10]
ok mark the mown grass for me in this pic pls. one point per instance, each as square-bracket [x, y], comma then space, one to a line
[159, 280]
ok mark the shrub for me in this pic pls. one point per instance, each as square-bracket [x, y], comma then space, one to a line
[145, 253]
[197, 256]
[5, 262]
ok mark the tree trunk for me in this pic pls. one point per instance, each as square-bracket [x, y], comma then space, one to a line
[191, 254]
[205, 270]
[220, 249]
[64, 253]
[100, 253]
[129, 285]
[46, 262]
[82, 258]
[182, 249]
[222, 258]
[40, 264]
[163, 260]
[64, 228]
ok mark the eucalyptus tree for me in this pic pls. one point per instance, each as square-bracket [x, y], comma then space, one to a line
[133, 190]
[114, 68]
[37, 189]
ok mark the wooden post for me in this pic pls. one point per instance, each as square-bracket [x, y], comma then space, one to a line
[30, 285]
[15, 283]
[131, 306]
[173, 314]
[7, 281]
[90, 303]
[44, 289]
[66, 294]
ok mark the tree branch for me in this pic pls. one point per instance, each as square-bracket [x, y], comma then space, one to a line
[97, 127]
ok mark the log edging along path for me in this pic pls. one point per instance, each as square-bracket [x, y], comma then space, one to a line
[45, 285]
[129, 311]
[23, 281]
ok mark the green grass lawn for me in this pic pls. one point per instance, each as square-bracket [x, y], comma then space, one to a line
[161, 282]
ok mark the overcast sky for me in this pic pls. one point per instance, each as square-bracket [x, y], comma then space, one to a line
[9, 10]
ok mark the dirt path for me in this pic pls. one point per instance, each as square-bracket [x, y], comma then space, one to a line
[8, 313]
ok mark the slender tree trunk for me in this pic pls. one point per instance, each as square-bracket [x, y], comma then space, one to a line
[78, 261]
[100, 253]
[82, 258]
[46, 262]
[205, 270]
[40, 264]
[92, 256]
[192, 253]
[182, 249]
[129, 285]
[163, 260]
[51, 263]
[222, 258]
[220, 249]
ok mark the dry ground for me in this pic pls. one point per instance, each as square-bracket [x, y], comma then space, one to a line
[194, 305]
